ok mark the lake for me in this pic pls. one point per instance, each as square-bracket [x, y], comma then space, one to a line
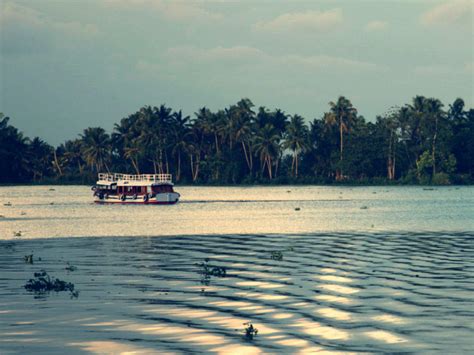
[358, 269]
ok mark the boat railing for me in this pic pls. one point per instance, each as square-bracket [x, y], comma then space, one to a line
[141, 177]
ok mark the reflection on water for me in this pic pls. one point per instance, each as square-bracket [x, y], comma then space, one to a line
[68, 211]
[331, 292]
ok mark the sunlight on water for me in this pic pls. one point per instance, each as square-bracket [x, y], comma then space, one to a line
[385, 336]
[334, 313]
[44, 211]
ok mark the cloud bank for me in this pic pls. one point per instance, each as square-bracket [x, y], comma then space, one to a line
[376, 26]
[312, 21]
[172, 10]
[24, 30]
[451, 12]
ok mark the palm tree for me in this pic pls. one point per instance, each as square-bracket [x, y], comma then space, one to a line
[72, 154]
[390, 123]
[149, 140]
[342, 114]
[434, 114]
[133, 152]
[39, 157]
[180, 132]
[279, 120]
[96, 148]
[243, 128]
[267, 147]
[13, 152]
[296, 140]
[124, 139]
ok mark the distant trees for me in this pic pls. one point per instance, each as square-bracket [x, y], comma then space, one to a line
[420, 142]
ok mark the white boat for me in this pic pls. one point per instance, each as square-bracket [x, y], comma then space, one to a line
[148, 189]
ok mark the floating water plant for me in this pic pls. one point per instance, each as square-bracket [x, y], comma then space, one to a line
[43, 283]
[277, 255]
[297, 209]
[28, 259]
[70, 267]
[250, 331]
[207, 271]
[17, 234]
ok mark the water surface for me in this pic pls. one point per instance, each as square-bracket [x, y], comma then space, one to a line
[69, 211]
[385, 269]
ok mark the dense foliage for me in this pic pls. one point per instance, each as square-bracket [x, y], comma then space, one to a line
[421, 142]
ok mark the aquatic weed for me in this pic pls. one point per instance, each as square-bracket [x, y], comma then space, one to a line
[207, 271]
[43, 283]
[277, 255]
[70, 267]
[250, 331]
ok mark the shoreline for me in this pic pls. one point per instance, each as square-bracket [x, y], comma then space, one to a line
[335, 184]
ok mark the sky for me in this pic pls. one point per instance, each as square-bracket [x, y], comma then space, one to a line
[67, 65]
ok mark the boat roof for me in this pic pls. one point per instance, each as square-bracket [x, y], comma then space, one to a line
[134, 180]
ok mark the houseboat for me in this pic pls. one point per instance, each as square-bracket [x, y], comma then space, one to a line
[150, 189]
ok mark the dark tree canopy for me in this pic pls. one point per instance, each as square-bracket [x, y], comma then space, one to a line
[421, 142]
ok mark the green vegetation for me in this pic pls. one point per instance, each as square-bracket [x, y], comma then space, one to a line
[277, 255]
[419, 143]
[42, 283]
[250, 331]
[207, 270]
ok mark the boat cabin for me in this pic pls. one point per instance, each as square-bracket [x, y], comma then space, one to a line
[127, 189]
[131, 185]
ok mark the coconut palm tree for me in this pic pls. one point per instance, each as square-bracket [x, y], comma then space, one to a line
[267, 147]
[434, 115]
[180, 132]
[96, 148]
[296, 140]
[133, 152]
[342, 115]
[39, 155]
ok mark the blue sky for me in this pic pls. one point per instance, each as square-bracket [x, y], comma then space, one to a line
[66, 65]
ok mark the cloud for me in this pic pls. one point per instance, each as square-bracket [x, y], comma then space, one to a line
[172, 10]
[321, 62]
[244, 56]
[469, 67]
[218, 54]
[24, 30]
[451, 12]
[313, 21]
[376, 26]
[432, 70]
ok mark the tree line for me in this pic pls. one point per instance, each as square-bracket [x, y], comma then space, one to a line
[421, 142]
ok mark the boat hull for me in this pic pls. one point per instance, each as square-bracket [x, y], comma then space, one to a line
[159, 199]
[118, 202]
